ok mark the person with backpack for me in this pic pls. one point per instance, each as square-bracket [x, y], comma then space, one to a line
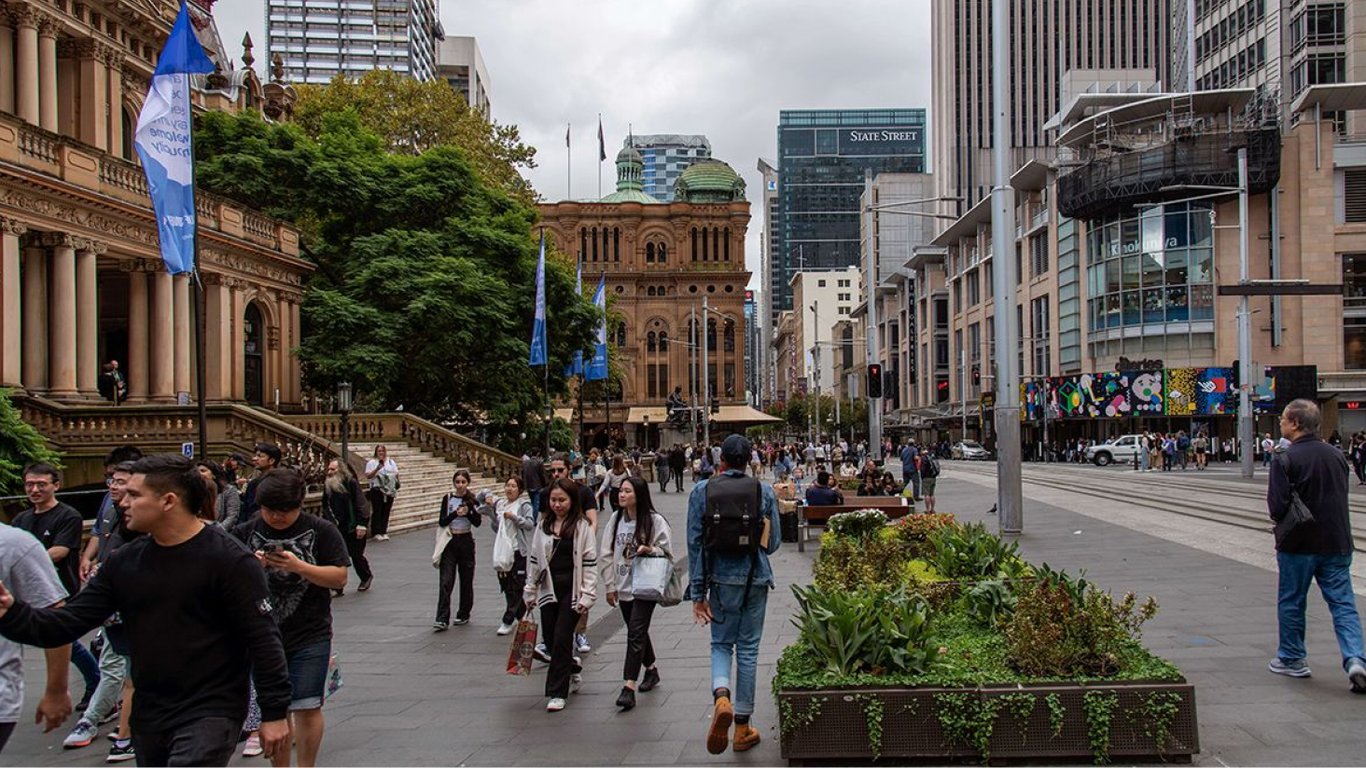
[733, 527]
[929, 477]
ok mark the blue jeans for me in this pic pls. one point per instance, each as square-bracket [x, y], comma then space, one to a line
[308, 675]
[1334, 575]
[736, 632]
[86, 663]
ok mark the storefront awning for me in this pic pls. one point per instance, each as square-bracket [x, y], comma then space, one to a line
[743, 414]
[637, 414]
[565, 413]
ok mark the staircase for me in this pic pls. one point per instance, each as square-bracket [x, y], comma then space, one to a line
[425, 478]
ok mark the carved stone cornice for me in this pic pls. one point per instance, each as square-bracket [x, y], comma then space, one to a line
[48, 25]
[10, 226]
[75, 242]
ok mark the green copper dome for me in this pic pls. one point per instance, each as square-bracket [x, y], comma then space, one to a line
[709, 181]
[630, 169]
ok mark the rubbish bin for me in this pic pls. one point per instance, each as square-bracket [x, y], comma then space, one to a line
[787, 520]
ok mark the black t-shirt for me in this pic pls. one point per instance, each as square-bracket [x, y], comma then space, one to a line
[57, 527]
[301, 608]
[197, 617]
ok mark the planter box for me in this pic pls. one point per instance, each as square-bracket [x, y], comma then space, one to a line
[832, 724]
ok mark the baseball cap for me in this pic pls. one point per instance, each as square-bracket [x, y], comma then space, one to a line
[735, 450]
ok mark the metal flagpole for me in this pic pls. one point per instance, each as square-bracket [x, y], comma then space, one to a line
[568, 165]
[1009, 494]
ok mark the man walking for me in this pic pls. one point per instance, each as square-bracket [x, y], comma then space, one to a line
[26, 570]
[732, 529]
[1314, 472]
[533, 479]
[678, 463]
[910, 473]
[198, 619]
[266, 458]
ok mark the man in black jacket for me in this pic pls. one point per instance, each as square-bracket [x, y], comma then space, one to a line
[197, 617]
[1320, 550]
[678, 463]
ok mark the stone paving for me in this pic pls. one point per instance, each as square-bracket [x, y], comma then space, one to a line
[414, 697]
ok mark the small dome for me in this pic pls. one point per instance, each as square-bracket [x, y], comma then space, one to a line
[629, 154]
[710, 181]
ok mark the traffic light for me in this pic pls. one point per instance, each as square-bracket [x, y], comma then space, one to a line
[976, 376]
[715, 405]
[875, 380]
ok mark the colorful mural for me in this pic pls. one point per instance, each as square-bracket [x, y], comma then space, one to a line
[1216, 392]
[1111, 390]
[1121, 394]
[1180, 390]
[1145, 393]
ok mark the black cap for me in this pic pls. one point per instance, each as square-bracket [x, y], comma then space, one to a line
[736, 450]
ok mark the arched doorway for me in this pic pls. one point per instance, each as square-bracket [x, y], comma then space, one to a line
[253, 366]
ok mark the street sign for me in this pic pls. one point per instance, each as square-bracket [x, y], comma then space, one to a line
[187, 450]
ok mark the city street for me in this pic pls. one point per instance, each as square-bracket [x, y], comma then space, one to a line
[415, 697]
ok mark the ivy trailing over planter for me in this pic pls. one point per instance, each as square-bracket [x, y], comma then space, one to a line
[1100, 708]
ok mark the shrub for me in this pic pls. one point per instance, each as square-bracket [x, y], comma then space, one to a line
[1063, 626]
[20, 445]
[858, 524]
[914, 530]
[866, 631]
[851, 563]
[971, 552]
[988, 602]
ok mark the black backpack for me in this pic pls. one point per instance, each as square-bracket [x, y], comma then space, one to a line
[929, 466]
[733, 520]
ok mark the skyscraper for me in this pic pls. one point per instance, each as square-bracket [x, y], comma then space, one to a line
[318, 39]
[460, 64]
[1051, 38]
[666, 156]
[823, 156]
[768, 237]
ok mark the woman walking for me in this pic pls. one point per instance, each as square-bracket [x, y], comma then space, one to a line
[382, 472]
[611, 486]
[635, 530]
[514, 509]
[227, 501]
[339, 506]
[455, 551]
[562, 578]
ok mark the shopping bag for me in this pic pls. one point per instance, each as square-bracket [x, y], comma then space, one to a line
[650, 577]
[334, 677]
[504, 547]
[678, 582]
[523, 645]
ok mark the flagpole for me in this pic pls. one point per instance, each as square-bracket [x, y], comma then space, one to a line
[600, 151]
[549, 407]
[568, 165]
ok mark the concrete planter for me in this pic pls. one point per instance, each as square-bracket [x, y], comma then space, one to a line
[1068, 721]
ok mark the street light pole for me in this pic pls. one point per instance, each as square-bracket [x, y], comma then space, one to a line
[816, 360]
[1246, 436]
[706, 380]
[963, 386]
[870, 294]
[344, 407]
[1009, 501]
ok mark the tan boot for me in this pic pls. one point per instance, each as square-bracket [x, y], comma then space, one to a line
[718, 735]
[746, 737]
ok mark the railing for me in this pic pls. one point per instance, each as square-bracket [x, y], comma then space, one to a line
[38, 144]
[124, 175]
[418, 433]
[259, 228]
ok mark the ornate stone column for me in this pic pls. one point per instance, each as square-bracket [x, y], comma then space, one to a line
[61, 329]
[35, 317]
[7, 63]
[217, 336]
[161, 356]
[88, 318]
[138, 337]
[115, 101]
[47, 73]
[93, 127]
[26, 63]
[183, 328]
[11, 367]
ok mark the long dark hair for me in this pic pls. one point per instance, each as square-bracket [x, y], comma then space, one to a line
[571, 520]
[645, 511]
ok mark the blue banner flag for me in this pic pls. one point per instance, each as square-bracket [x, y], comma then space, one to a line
[538, 336]
[597, 367]
[162, 140]
[575, 367]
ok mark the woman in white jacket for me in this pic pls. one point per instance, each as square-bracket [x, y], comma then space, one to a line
[634, 530]
[514, 509]
[562, 578]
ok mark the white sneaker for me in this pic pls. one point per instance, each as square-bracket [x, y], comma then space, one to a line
[575, 682]
[555, 705]
[505, 629]
[581, 643]
[253, 747]
[382, 537]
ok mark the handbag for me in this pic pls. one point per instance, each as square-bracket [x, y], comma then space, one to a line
[504, 547]
[678, 583]
[1298, 514]
[523, 646]
[650, 576]
[334, 677]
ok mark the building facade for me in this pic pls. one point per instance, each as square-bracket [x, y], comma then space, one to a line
[823, 158]
[820, 300]
[666, 156]
[1049, 39]
[81, 277]
[319, 39]
[661, 261]
[768, 239]
[460, 63]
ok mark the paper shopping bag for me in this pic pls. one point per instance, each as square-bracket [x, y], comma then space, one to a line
[523, 645]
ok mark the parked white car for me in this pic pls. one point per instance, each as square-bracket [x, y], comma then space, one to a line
[969, 449]
[1122, 449]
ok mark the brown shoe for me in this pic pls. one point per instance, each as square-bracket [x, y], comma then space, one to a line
[746, 737]
[718, 735]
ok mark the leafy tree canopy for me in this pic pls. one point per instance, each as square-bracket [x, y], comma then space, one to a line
[20, 445]
[425, 287]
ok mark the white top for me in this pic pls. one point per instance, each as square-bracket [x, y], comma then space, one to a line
[389, 468]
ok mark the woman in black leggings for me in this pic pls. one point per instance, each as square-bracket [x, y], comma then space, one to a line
[635, 530]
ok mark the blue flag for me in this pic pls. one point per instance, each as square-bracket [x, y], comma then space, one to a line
[597, 367]
[162, 140]
[575, 367]
[538, 337]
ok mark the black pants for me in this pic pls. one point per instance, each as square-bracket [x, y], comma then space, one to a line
[512, 583]
[206, 741]
[557, 626]
[355, 549]
[457, 556]
[678, 479]
[5, 730]
[639, 649]
[380, 507]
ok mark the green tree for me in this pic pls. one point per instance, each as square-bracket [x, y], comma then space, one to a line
[20, 445]
[411, 116]
[425, 287]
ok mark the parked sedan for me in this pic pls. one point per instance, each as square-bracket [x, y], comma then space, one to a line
[971, 450]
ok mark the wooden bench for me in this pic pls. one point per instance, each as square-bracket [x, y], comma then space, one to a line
[818, 515]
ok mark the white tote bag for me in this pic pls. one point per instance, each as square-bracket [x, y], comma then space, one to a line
[504, 546]
[650, 577]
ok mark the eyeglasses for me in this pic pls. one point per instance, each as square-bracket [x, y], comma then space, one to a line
[37, 484]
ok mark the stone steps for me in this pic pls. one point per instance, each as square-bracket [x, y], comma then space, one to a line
[424, 478]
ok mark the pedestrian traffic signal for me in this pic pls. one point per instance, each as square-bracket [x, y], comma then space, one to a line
[976, 376]
[715, 405]
[875, 380]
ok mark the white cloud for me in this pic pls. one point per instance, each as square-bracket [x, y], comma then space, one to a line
[723, 68]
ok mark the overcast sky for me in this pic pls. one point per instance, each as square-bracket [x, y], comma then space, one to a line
[723, 68]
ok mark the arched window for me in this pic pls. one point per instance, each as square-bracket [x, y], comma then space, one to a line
[730, 336]
[649, 253]
[711, 335]
[595, 243]
[583, 243]
[715, 244]
[616, 243]
[663, 341]
[651, 344]
[726, 240]
[663, 253]
[621, 335]
[694, 243]
[605, 243]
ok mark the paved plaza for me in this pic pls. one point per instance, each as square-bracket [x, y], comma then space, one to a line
[414, 697]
